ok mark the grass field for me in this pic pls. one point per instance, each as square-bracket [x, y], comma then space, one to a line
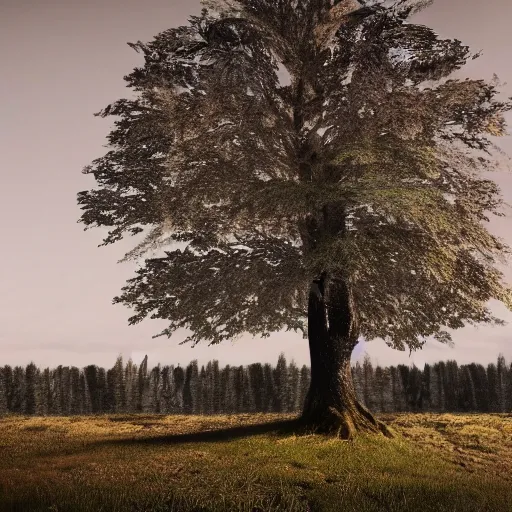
[253, 462]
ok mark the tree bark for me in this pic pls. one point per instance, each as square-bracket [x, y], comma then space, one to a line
[331, 405]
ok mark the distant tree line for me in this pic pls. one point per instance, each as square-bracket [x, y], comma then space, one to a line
[440, 387]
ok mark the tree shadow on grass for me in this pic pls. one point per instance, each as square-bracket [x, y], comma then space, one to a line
[276, 428]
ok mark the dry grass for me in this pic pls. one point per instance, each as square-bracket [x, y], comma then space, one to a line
[478, 442]
[253, 462]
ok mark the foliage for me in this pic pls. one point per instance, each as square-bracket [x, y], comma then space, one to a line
[368, 167]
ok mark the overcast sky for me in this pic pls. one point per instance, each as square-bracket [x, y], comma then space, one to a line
[63, 60]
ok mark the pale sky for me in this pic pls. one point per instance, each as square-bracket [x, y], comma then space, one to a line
[63, 60]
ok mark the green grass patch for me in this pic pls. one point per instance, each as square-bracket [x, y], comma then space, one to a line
[253, 463]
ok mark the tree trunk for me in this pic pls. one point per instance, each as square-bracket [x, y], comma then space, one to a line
[331, 405]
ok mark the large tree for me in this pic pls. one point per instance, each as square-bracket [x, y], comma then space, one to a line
[349, 203]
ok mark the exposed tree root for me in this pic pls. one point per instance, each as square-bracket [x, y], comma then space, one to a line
[345, 424]
[383, 428]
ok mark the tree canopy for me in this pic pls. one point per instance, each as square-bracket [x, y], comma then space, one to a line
[369, 165]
